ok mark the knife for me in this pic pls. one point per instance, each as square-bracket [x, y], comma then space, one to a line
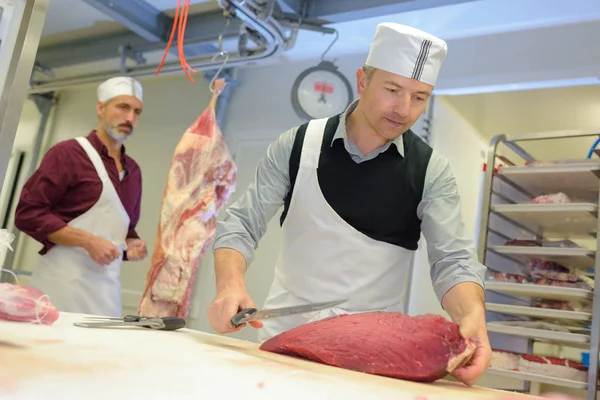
[252, 314]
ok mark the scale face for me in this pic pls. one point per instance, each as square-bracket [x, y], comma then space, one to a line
[321, 92]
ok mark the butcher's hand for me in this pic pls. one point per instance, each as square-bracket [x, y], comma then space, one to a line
[226, 304]
[102, 251]
[136, 249]
[472, 326]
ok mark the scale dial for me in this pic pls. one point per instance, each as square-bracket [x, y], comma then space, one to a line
[321, 92]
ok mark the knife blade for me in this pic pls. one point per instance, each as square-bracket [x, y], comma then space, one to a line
[253, 314]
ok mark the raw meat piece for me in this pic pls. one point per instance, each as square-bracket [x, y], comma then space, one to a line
[551, 271]
[423, 348]
[558, 305]
[556, 276]
[200, 181]
[541, 265]
[562, 162]
[537, 243]
[523, 242]
[552, 366]
[504, 360]
[535, 163]
[26, 304]
[506, 277]
[550, 282]
[560, 243]
[555, 198]
[533, 325]
[543, 365]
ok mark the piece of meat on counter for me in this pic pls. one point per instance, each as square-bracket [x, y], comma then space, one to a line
[200, 181]
[423, 348]
[20, 303]
[555, 198]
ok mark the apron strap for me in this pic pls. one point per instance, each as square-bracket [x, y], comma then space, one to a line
[95, 158]
[311, 149]
[103, 175]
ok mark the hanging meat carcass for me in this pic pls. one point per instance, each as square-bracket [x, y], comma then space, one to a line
[200, 181]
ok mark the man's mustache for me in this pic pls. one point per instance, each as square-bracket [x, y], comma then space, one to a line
[126, 125]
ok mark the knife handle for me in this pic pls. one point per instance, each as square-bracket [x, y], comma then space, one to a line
[235, 320]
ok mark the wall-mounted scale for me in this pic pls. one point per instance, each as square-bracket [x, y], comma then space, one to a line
[321, 91]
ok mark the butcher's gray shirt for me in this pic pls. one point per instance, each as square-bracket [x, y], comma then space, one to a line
[451, 251]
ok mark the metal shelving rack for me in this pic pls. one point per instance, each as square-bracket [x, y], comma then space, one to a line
[505, 202]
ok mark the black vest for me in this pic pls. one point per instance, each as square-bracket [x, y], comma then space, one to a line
[378, 197]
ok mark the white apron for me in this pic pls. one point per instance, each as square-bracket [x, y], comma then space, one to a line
[68, 275]
[324, 258]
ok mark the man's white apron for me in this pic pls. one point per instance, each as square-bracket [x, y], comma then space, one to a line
[68, 275]
[324, 258]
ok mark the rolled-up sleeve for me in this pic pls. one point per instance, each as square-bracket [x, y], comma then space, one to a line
[33, 215]
[246, 220]
[451, 250]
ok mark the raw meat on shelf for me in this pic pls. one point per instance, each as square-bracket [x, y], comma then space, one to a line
[542, 265]
[506, 277]
[555, 198]
[553, 366]
[546, 325]
[562, 162]
[421, 348]
[200, 181]
[549, 273]
[537, 243]
[565, 305]
[505, 360]
[561, 368]
[551, 282]
[523, 242]
[550, 270]
[555, 276]
[560, 243]
[20, 303]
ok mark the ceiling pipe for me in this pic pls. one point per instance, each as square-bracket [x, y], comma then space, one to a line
[267, 29]
[200, 64]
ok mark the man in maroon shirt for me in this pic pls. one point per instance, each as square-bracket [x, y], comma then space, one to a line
[83, 204]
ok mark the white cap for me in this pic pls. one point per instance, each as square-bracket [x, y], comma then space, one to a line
[407, 51]
[119, 86]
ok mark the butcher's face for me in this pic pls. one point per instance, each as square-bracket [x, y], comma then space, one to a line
[119, 116]
[391, 103]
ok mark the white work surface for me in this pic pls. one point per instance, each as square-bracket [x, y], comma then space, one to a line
[63, 361]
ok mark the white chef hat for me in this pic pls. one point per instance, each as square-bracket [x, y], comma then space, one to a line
[407, 51]
[119, 86]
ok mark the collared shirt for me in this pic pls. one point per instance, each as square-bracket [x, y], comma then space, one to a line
[451, 251]
[66, 185]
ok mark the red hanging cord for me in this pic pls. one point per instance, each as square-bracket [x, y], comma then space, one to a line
[179, 22]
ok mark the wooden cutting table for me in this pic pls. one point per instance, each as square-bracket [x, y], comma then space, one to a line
[63, 361]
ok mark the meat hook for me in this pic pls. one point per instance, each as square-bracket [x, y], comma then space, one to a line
[226, 56]
[221, 52]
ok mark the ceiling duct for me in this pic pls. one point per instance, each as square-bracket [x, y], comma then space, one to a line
[258, 25]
